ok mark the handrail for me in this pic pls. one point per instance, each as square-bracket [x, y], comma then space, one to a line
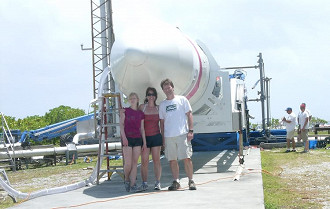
[4, 126]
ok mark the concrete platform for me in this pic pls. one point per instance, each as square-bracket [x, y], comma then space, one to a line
[214, 173]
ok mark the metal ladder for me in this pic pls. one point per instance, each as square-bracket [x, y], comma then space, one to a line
[6, 137]
[109, 124]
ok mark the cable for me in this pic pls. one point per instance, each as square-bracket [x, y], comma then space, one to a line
[162, 191]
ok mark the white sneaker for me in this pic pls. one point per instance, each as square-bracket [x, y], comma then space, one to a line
[157, 185]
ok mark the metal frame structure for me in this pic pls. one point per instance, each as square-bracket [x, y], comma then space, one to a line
[264, 93]
[102, 40]
[264, 97]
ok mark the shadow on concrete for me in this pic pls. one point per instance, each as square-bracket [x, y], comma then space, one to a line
[115, 187]
[226, 161]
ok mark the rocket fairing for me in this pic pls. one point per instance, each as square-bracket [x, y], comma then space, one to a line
[145, 56]
[145, 59]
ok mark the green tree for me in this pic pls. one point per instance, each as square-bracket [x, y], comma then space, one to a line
[275, 123]
[253, 126]
[31, 123]
[11, 122]
[316, 120]
[55, 115]
[62, 113]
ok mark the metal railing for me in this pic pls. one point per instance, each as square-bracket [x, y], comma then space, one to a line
[7, 142]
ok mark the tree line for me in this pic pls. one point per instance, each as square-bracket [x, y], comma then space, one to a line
[53, 116]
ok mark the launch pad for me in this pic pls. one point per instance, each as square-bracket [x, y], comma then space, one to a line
[214, 173]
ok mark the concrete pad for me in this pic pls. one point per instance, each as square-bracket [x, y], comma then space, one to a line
[214, 173]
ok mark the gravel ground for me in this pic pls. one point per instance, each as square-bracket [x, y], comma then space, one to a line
[312, 181]
[69, 177]
[39, 183]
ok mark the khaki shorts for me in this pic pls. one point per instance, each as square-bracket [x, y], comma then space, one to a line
[177, 148]
[290, 134]
[304, 135]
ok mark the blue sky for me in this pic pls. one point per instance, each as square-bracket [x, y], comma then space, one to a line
[43, 67]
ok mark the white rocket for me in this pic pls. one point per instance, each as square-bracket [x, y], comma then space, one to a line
[144, 57]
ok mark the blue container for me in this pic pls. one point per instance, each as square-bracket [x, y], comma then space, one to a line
[312, 144]
[215, 141]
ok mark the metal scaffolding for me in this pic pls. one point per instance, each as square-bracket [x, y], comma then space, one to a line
[102, 40]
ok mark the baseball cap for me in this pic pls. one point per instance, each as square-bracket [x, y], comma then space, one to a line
[289, 108]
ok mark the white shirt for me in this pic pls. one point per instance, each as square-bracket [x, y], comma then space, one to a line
[302, 118]
[307, 111]
[173, 112]
[290, 126]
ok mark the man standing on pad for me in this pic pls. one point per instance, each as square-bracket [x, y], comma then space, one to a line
[290, 123]
[176, 123]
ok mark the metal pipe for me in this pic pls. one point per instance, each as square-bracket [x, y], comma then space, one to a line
[262, 91]
[232, 68]
[103, 19]
[81, 136]
[267, 82]
[111, 40]
[254, 100]
[240, 154]
[57, 150]
[93, 54]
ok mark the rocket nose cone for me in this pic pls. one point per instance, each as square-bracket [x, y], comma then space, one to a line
[135, 56]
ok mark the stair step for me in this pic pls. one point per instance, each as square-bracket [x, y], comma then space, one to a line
[111, 125]
[112, 110]
[111, 140]
[111, 154]
[111, 95]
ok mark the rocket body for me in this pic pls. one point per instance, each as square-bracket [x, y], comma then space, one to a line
[143, 57]
[146, 58]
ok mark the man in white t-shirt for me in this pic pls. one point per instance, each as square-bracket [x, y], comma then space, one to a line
[309, 118]
[176, 124]
[303, 122]
[290, 124]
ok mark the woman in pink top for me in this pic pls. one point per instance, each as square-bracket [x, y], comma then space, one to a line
[153, 138]
[133, 138]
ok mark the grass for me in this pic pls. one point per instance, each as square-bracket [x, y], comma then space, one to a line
[290, 179]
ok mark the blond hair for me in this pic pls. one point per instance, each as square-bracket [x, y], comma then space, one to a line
[134, 94]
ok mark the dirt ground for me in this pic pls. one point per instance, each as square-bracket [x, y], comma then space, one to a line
[312, 181]
[57, 180]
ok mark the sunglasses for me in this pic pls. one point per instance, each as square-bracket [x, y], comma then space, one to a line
[149, 94]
